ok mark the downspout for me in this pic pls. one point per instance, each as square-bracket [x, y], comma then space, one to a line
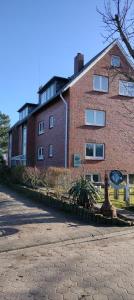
[66, 127]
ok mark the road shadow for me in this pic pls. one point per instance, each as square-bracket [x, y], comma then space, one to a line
[6, 231]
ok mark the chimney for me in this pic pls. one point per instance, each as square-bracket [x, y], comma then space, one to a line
[78, 63]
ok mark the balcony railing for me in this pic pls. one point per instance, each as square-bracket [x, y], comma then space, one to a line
[19, 160]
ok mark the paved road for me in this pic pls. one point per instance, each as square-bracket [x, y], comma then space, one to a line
[46, 255]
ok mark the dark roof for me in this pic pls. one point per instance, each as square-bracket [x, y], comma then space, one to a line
[27, 104]
[53, 79]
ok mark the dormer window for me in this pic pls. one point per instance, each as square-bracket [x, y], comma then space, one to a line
[26, 109]
[48, 93]
[23, 114]
[115, 61]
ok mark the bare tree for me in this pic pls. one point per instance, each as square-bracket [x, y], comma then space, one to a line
[118, 19]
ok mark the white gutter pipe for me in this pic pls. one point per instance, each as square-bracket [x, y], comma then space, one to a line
[66, 127]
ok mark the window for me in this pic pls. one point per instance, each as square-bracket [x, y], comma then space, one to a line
[41, 127]
[48, 93]
[51, 121]
[24, 140]
[23, 113]
[93, 177]
[115, 61]
[94, 151]
[100, 83]
[50, 151]
[40, 153]
[126, 88]
[95, 117]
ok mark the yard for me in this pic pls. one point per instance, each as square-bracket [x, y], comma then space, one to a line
[119, 203]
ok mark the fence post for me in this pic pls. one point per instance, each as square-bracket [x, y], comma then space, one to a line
[126, 191]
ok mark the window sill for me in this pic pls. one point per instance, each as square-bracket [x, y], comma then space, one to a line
[100, 91]
[126, 96]
[42, 158]
[94, 158]
[94, 125]
[40, 133]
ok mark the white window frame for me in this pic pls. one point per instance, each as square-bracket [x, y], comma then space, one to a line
[41, 127]
[100, 89]
[112, 61]
[40, 155]
[50, 150]
[126, 86]
[94, 157]
[95, 117]
[51, 121]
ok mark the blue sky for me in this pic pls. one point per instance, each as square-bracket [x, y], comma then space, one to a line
[39, 39]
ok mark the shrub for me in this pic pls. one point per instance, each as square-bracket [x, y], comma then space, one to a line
[59, 179]
[33, 177]
[84, 193]
[29, 176]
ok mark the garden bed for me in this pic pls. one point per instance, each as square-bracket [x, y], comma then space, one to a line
[68, 207]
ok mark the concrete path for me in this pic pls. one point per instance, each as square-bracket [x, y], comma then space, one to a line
[47, 255]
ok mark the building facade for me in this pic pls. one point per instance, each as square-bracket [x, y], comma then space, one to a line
[84, 122]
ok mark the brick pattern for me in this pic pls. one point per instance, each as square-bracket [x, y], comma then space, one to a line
[54, 136]
[117, 135]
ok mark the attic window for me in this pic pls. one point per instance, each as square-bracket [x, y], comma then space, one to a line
[48, 93]
[115, 61]
[23, 113]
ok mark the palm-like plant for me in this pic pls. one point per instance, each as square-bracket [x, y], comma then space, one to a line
[84, 193]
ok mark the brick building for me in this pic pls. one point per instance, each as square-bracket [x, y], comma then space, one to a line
[84, 122]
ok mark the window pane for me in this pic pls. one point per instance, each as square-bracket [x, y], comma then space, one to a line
[100, 118]
[115, 61]
[89, 150]
[51, 121]
[104, 83]
[99, 150]
[126, 88]
[96, 82]
[95, 177]
[90, 116]
[123, 88]
[131, 89]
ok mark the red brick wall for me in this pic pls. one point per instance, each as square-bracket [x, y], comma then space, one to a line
[117, 136]
[55, 135]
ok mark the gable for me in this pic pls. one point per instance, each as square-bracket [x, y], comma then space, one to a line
[98, 58]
